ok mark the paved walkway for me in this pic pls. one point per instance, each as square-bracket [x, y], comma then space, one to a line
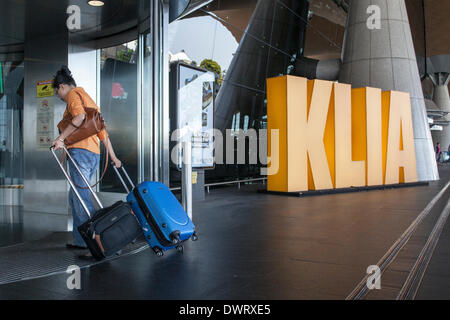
[436, 282]
[259, 246]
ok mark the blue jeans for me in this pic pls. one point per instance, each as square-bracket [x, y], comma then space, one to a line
[87, 161]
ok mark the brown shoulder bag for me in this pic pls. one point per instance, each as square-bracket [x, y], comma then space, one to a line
[92, 124]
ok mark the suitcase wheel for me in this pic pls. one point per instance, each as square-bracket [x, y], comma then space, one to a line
[175, 240]
[175, 237]
[194, 237]
[180, 248]
[158, 251]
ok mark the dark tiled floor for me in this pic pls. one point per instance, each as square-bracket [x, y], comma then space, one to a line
[43, 257]
[257, 246]
[17, 225]
[436, 282]
[396, 273]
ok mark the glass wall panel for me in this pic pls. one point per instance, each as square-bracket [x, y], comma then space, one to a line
[11, 119]
[119, 105]
[77, 31]
[251, 41]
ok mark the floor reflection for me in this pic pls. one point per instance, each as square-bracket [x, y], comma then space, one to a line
[18, 225]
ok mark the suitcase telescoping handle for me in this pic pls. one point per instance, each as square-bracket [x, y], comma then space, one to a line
[121, 179]
[71, 182]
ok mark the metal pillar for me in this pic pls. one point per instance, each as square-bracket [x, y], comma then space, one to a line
[384, 58]
[160, 89]
[442, 99]
[186, 177]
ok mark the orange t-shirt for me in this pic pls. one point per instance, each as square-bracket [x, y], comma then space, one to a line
[76, 98]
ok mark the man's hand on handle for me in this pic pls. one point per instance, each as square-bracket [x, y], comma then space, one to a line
[57, 144]
[117, 162]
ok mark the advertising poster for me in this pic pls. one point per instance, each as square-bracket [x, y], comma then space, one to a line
[196, 114]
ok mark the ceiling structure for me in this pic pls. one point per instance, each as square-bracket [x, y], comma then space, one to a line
[325, 32]
[39, 18]
[323, 41]
[12, 22]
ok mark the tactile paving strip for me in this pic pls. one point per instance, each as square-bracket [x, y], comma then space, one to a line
[48, 256]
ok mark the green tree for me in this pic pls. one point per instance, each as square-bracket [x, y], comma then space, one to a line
[213, 66]
[124, 55]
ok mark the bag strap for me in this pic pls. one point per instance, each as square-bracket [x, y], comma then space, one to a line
[106, 161]
[103, 173]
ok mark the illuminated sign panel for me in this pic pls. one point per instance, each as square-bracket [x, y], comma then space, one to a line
[332, 136]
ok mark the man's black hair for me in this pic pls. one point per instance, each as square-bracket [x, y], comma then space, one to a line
[63, 76]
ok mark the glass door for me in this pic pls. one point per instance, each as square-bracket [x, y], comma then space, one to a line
[133, 94]
[11, 132]
[119, 105]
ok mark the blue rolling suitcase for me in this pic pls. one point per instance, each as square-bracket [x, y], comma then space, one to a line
[164, 222]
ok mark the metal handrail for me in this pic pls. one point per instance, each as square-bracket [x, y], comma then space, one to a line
[233, 182]
[225, 183]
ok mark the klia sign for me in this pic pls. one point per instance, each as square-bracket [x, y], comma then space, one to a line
[332, 136]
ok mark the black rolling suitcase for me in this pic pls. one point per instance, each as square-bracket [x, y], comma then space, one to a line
[109, 229]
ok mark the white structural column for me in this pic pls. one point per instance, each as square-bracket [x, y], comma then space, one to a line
[379, 52]
[442, 99]
[186, 177]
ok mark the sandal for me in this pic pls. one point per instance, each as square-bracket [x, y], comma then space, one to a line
[74, 247]
[87, 257]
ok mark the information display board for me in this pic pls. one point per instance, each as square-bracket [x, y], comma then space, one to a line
[195, 113]
[44, 123]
